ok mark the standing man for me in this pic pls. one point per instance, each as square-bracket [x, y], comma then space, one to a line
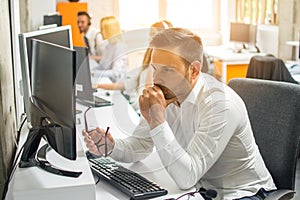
[92, 36]
[198, 125]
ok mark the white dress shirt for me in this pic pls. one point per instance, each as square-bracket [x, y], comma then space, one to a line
[207, 142]
[95, 41]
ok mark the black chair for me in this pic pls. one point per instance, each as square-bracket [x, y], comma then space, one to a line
[274, 112]
[269, 68]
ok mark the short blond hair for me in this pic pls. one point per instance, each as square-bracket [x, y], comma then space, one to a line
[110, 27]
[179, 41]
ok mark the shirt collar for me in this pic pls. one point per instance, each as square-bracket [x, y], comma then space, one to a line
[192, 97]
[90, 32]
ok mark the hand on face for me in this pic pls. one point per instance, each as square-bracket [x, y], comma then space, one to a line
[95, 142]
[153, 105]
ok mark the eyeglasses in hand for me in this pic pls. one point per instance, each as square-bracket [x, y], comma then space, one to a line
[102, 146]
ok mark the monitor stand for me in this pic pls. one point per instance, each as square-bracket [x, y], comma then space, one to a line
[30, 151]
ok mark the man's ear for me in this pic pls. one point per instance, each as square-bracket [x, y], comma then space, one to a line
[195, 69]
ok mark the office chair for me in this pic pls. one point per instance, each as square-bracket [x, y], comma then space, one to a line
[273, 109]
[269, 68]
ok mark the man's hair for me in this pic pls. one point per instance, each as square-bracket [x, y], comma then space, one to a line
[80, 13]
[181, 42]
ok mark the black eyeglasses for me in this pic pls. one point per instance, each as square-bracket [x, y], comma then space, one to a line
[99, 144]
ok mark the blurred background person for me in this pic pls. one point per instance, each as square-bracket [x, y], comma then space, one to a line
[141, 77]
[92, 37]
[113, 61]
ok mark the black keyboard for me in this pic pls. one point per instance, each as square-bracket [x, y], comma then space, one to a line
[101, 100]
[98, 102]
[127, 181]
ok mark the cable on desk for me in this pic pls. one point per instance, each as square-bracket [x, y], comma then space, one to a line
[98, 179]
[20, 128]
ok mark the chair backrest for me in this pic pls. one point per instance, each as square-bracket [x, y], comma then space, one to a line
[274, 113]
[269, 68]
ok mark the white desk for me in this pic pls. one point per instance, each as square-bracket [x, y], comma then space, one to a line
[35, 184]
[122, 120]
[229, 64]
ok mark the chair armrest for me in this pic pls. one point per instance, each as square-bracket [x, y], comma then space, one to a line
[281, 195]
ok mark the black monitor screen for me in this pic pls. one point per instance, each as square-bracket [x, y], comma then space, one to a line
[53, 76]
[83, 81]
[53, 19]
[59, 35]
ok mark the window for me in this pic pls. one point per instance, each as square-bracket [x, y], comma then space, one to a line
[201, 16]
[257, 11]
[192, 14]
[144, 14]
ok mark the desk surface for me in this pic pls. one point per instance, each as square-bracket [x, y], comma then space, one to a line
[121, 117]
[34, 183]
[226, 54]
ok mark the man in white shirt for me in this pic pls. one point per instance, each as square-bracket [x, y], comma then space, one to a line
[92, 36]
[199, 126]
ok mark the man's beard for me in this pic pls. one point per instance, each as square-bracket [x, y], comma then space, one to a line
[168, 94]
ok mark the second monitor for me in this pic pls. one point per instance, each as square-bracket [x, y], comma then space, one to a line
[243, 34]
[83, 88]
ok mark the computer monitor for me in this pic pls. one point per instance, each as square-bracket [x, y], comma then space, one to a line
[52, 105]
[267, 39]
[83, 89]
[242, 33]
[53, 19]
[83, 82]
[59, 35]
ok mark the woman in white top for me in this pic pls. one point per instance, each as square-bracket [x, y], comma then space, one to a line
[113, 62]
[141, 77]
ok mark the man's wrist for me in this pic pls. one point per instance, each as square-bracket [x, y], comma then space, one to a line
[154, 124]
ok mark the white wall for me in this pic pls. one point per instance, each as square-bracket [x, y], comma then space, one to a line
[38, 9]
[289, 26]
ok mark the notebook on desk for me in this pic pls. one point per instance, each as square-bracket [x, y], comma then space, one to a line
[84, 91]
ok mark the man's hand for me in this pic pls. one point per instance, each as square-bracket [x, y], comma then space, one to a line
[97, 58]
[95, 141]
[153, 105]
